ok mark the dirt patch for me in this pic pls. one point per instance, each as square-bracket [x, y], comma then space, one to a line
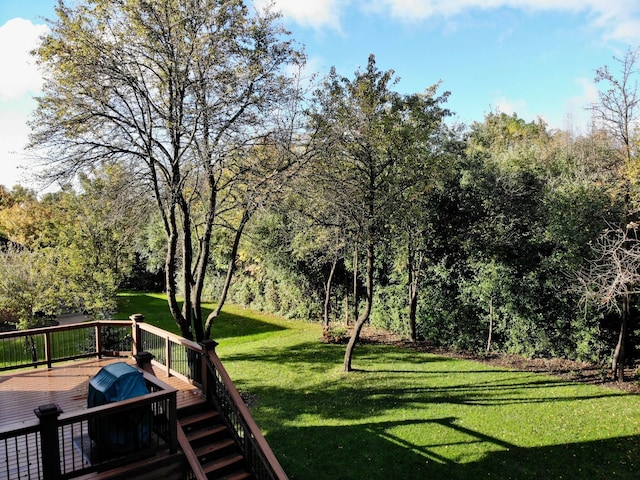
[566, 369]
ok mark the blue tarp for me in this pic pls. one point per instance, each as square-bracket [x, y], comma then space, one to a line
[126, 432]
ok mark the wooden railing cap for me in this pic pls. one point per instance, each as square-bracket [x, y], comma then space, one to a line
[47, 411]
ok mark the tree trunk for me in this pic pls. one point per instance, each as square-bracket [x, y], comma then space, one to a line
[490, 335]
[190, 315]
[170, 278]
[346, 299]
[617, 364]
[355, 283]
[413, 308]
[230, 271]
[201, 265]
[414, 267]
[327, 294]
[367, 311]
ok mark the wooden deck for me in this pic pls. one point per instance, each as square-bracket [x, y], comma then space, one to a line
[67, 385]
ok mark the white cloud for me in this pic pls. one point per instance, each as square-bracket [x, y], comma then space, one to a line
[589, 94]
[614, 20]
[317, 13]
[14, 133]
[578, 112]
[575, 117]
[21, 76]
[502, 104]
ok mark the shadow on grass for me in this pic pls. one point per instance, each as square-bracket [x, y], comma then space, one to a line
[346, 444]
[156, 311]
[356, 402]
[229, 325]
[374, 451]
[441, 382]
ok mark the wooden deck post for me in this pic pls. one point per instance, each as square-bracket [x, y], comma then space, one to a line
[173, 423]
[143, 361]
[207, 345]
[98, 333]
[47, 349]
[49, 443]
[137, 346]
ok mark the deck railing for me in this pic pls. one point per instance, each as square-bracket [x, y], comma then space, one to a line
[49, 345]
[177, 356]
[123, 422]
[193, 362]
[22, 444]
[230, 404]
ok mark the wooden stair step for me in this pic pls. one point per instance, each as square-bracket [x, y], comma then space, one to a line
[205, 432]
[223, 462]
[198, 417]
[214, 447]
[236, 476]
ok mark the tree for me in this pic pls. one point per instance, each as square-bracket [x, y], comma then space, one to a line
[616, 111]
[426, 150]
[181, 91]
[86, 238]
[28, 288]
[618, 101]
[612, 279]
[360, 137]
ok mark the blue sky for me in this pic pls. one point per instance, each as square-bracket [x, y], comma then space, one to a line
[531, 57]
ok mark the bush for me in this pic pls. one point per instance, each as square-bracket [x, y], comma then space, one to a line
[335, 334]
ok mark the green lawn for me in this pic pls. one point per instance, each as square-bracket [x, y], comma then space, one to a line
[410, 415]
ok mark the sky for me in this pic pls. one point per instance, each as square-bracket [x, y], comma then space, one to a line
[535, 58]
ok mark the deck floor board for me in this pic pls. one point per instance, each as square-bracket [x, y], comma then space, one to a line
[67, 386]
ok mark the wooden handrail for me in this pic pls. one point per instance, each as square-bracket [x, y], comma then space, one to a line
[171, 336]
[210, 363]
[19, 428]
[50, 449]
[243, 411]
[111, 408]
[49, 356]
[190, 455]
[62, 328]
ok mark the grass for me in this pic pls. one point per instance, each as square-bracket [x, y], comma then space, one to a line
[406, 414]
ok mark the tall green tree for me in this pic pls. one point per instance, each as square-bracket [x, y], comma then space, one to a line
[362, 139]
[178, 90]
[426, 152]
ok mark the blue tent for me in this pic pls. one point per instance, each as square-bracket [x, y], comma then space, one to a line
[122, 433]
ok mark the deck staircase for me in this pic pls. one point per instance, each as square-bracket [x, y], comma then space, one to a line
[211, 443]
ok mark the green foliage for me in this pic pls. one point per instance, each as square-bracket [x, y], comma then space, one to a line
[283, 291]
[272, 276]
[51, 281]
[390, 308]
[76, 246]
[28, 286]
[452, 233]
